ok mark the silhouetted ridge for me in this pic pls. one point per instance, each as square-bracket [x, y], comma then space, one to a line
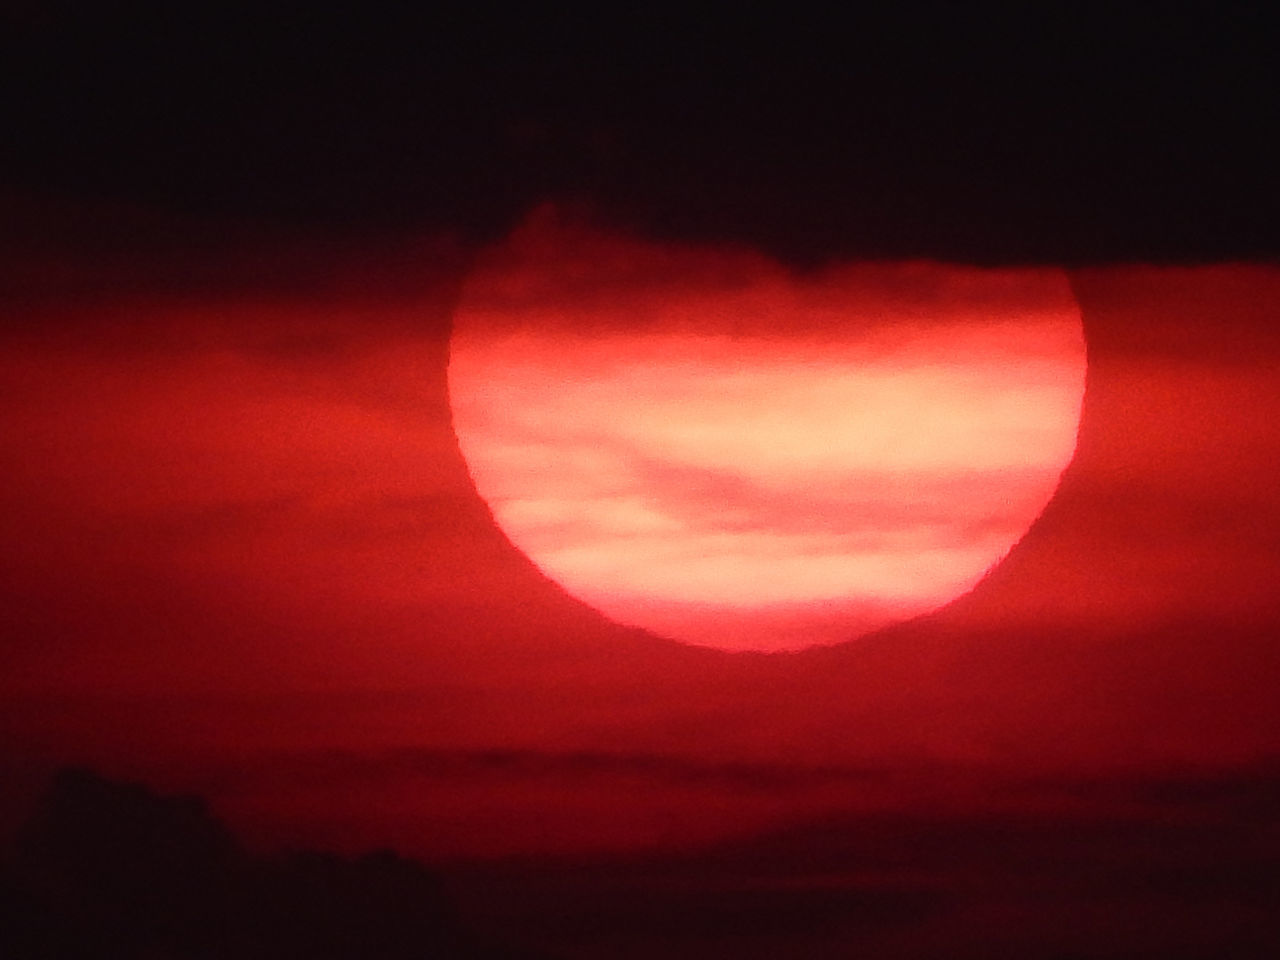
[112, 870]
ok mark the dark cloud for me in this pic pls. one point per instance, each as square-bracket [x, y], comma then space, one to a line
[574, 766]
[110, 869]
[1083, 868]
[1182, 319]
[1094, 867]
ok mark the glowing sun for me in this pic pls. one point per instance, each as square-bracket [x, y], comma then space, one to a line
[704, 444]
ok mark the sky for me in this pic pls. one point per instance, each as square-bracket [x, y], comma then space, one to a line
[245, 556]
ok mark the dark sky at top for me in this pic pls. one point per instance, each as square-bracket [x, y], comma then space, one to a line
[1068, 136]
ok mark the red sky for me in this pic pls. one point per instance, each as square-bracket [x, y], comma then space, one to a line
[244, 559]
[241, 541]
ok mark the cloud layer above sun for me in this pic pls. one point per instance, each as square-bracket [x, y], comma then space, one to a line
[703, 444]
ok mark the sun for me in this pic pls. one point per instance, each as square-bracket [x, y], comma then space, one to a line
[707, 445]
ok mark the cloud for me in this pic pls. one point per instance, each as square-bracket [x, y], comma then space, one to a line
[574, 281]
[583, 766]
[82, 270]
[107, 865]
[1174, 866]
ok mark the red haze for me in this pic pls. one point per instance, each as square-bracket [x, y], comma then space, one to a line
[241, 540]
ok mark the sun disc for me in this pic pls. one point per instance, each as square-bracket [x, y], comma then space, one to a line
[703, 444]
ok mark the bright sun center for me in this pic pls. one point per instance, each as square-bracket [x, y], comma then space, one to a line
[705, 445]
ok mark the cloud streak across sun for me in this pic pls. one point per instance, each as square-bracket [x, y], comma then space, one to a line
[704, 444]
